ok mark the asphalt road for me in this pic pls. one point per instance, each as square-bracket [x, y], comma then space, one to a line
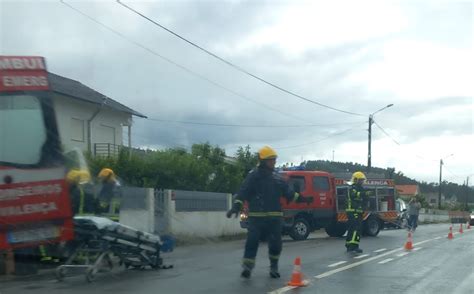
[435, 265]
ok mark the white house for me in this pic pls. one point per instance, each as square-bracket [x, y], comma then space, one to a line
[88, 119]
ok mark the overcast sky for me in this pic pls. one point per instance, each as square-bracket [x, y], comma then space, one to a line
[352, 55]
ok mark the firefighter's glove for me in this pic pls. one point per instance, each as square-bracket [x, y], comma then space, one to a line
[234, 210]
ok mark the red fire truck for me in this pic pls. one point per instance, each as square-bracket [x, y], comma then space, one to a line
[35, 206]
[327, 209]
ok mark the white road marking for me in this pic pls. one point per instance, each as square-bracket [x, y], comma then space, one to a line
[385, 260]
[417, 248]
[282, 290]
[438, 238]
[419, 243]
[402, 254]
[361, 256]
[337, 263]
[349, 266]
[380, 250]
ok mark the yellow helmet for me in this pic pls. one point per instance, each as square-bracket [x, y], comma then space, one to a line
[106, 173]
[358, 175]
[76, 176]
[266, 152]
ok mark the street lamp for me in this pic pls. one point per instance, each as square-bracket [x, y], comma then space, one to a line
[371, 121]
[440, 176]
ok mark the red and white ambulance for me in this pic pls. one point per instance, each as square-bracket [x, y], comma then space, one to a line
[35, 206]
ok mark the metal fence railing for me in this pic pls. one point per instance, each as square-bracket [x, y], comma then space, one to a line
[106, 149]
[200, 201]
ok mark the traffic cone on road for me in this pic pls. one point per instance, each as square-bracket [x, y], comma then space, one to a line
[460, 229]
[409, 243]
[297, 276]
[450, 235]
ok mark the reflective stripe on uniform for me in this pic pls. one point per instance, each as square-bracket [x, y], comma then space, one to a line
[248, 261]
[354, 239]
[44, 255]
[274, 257]
[349, 201]
[81, 200]
[265, 214]
[238, 201]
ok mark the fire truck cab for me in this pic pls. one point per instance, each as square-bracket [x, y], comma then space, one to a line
[326, 208]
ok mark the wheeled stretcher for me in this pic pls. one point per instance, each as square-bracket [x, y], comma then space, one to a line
[98, 241]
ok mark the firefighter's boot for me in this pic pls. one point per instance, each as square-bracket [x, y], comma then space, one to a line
[274, 273]
[246, 273]
[247, 267]
[357, 250]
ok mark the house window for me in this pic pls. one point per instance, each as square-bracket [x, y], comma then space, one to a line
[432, 200]
[77, 130]
[106, 134]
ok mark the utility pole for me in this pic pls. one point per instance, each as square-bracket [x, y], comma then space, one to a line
[439, 186]
[333, 155]
[467, 193]
[371, 121]
[369, 155]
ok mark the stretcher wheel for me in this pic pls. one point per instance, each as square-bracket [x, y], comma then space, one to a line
[90, 274]
[60, 273]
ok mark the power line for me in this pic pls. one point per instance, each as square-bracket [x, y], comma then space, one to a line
[318, 141]
[452, 174]
[396, 142]
[189, 71]
[246, 126]
[236, 66]
[387, 134]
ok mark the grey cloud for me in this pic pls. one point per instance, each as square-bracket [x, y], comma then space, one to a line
[82, 50]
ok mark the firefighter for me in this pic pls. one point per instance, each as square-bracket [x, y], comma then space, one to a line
[106, 195]
[262, 189]
[76, 179]
[356, 201]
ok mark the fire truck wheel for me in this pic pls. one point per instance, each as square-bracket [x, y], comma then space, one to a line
[372, 227]
[300, 229]
[60, 273]
[336, 230]
[90, 274]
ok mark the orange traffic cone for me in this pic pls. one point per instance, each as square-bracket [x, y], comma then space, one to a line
[297, 276]
[409, 243]
[450, 235]
[461, 230]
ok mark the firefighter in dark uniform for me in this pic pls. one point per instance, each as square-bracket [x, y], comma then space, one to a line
[109, 182]
[262, 190]
[81, 203]
[357, 199]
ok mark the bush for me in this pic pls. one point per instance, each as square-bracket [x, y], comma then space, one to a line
[202, 169]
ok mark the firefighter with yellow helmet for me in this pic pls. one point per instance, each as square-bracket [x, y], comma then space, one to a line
[106, 195]
[76, 179]
[357, 199]
[262, 189]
